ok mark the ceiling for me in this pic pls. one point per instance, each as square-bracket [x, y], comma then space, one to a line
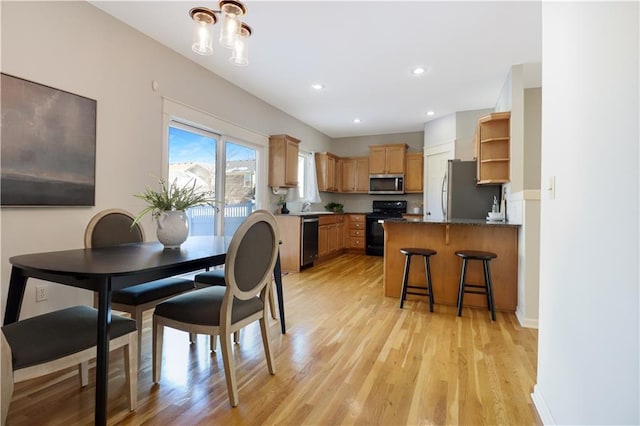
[363, 53]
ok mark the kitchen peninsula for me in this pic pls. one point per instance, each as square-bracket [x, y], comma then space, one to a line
[446, 237]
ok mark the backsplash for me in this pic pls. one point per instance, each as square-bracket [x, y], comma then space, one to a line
[358, 203]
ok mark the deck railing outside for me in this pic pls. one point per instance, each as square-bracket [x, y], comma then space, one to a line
[202, 218]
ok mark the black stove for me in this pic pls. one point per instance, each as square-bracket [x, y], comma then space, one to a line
[374, 233]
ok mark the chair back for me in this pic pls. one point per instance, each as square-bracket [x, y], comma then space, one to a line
[112, 227]
[251, 256]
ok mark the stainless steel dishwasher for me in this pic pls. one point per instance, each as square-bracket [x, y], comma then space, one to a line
[309, 241]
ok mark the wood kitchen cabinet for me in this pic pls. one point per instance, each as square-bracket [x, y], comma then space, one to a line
[323, 241]
[492, 142]
[355, 229]
[290, 235]
[283, 161]
[339, 177]
[414, 175]
[326, 164]
[387, 159]
[355, 175]
[330, 236]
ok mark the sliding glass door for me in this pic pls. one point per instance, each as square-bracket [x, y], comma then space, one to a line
[226, 170]
[192, 160]
[239, 185]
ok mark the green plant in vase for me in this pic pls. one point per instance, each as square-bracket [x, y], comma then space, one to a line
[168, 206]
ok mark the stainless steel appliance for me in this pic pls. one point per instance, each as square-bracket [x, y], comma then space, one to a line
[309, 241]
[374, 234]
[461, 197]
[386, 184]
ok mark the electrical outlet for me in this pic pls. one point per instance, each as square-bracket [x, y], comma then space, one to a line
[41, 293]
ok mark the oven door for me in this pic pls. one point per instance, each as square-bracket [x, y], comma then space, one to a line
[374, 236]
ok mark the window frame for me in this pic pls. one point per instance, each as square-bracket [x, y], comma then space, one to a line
[176, 112]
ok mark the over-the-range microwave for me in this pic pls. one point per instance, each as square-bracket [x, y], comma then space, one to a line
[386, 184]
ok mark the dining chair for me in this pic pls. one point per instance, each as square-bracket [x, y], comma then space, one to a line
[216, 277]
[221, 311]
[115, 226]
[57, 340]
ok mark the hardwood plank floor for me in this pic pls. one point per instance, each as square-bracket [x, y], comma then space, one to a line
[350, 356]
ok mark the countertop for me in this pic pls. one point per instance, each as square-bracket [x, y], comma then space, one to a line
[474, 222]
[316, 213]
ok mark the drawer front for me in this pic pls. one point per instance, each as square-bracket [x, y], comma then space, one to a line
[339, 218]
[356, 242]
[326, 220]
[356, 233]
[356, 218]
[357, 225]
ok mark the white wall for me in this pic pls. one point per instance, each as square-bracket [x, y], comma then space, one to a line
[80, 49]
[466, 124]
[521, 95]
[440, 131]
[588, 348]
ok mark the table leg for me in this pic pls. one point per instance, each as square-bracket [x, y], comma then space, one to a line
[277, 275]
[17, 285]
[102, 358]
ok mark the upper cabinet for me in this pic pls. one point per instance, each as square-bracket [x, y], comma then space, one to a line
[491, 144]
[413, 177]
[387, 159]
[283, 161]
[355, 175]
[326, 169]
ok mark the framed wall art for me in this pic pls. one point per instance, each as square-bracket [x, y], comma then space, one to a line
[48, 145]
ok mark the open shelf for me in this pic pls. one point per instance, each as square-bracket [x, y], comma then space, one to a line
[493, 153]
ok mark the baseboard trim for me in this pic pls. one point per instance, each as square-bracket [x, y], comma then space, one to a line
[541, 407]
[526, 322]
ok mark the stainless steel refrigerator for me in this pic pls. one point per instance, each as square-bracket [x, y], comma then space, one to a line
[461, 197]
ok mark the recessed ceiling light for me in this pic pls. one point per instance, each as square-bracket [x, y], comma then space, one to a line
[317, 86]
[418, 71]
[356, 120]
[430, 113]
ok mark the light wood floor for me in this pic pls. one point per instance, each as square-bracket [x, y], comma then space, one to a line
[350, 356]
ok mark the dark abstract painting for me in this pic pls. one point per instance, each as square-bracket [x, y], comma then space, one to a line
[48, 146]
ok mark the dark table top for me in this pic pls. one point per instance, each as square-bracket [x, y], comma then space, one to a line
[136, 262]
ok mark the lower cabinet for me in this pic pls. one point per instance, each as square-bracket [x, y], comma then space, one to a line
[290, 234]
[355, 230]
[330, 236]
[333, 238]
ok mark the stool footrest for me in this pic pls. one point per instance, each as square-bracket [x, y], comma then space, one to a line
[417, 294]
[416, 286]
[475, 292]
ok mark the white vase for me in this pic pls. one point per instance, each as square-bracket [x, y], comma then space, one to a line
[173, 228]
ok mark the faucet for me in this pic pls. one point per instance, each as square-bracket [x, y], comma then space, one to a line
[306, 206]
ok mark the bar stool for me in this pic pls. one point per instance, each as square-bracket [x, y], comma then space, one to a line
[426, 291]
[485, 257]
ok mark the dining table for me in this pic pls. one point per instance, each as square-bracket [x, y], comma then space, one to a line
[105, 269]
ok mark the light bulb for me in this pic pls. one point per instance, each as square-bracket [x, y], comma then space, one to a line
[231, 13]
[240, 55]
[203, 20]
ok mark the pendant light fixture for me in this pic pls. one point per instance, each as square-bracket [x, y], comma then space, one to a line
[234, 34]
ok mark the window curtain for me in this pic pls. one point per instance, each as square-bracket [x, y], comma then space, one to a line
[310, 191]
